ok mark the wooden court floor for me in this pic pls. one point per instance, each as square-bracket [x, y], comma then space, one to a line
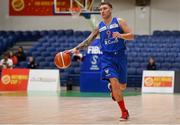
[53, 109]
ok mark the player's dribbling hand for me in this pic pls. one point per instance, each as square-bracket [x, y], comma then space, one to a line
[116, 35]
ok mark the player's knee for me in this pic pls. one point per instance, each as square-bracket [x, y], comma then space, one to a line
[116, 94]
[122, 87]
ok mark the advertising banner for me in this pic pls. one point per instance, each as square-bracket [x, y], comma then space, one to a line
[44, 80]
[35, 7]
[14, 80]
[158, 81]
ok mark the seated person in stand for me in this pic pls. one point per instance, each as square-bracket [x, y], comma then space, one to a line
[151, 64]
[32, 63]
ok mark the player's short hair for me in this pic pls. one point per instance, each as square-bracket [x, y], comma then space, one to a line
[106, 3]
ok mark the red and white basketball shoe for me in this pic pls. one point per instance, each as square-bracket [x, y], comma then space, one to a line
[125, 116]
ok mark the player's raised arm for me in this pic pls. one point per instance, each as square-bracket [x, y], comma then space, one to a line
[86, 42]
[127, 35]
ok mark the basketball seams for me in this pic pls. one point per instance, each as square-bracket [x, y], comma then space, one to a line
[60, 60]
[56, 62]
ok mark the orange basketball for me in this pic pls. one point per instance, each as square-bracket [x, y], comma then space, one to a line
[62, 60]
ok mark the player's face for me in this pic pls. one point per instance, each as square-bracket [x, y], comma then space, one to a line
[105, 11]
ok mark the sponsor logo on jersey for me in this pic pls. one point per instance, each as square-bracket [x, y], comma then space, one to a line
[109, 41]
[102, 28]
[115, 25]
[107, 72]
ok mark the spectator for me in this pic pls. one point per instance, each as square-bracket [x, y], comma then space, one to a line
[151, 64]
[13, 57]
[20, 54]
[32, 63]
[6, 62]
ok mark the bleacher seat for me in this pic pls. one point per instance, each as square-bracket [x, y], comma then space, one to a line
[134, 64]
[45, 54]
[169, 59]
[52, 33]
[160, 59]
[86, 33]
[49, 59]
[166, 65]
[41, 49]
[69, 32]
[157, 33]
[139, 59]
[22, 64]
[50, 49]
[130, 58]
[64, 78]
[43, 33]
[176, 33]
[132, 71]
[77, 70]
[59, 49]
[177, 59]
[75, 64]
[139, 71]
[56, 44]
[40, 59]
[60, 33]
[78, 33]
[52, 65]
[43, 65]
[36, 54]
[176, 65]
[143, 65]
[46, 45]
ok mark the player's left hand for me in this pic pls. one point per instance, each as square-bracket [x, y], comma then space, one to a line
[116, 35]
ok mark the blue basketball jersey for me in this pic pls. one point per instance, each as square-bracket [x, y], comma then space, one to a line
[108, 43]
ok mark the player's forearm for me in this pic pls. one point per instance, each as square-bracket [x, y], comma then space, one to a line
[127, 36]
[86, 42]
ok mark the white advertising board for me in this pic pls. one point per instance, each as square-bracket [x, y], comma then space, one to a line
[158, 81]
[44, 80]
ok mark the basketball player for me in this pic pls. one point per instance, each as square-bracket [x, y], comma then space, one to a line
[113, 33]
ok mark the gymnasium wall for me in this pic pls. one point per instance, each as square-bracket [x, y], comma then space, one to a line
[162, 15]
[165, 15]
[124, 10]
